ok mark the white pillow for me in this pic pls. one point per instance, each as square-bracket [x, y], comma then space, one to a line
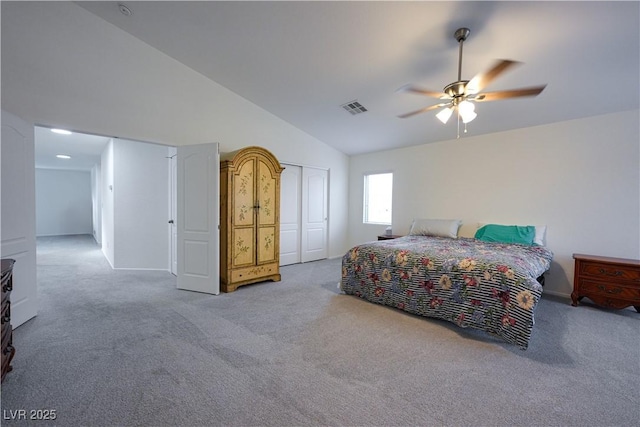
[540, 237]
[435, 227]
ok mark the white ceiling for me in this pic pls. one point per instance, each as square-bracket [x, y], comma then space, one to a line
[85, 150]
[302, 60]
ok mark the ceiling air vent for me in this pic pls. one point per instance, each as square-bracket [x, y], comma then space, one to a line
[354, 107]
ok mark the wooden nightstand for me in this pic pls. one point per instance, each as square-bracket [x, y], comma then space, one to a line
[609, 282]
[388, 237]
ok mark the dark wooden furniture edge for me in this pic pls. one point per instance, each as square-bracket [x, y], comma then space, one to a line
[8, 351]
[389, 236]
[608, 260]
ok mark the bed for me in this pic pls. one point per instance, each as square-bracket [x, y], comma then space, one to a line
[490, 286]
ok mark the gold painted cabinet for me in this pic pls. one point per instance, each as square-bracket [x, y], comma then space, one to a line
[249, 217]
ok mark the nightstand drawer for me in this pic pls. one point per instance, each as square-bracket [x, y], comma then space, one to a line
[590, 287]
[609, 272]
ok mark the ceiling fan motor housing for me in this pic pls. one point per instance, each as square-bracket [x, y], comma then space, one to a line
[456, 89]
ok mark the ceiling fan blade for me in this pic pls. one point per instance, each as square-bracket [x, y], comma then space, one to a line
[420, 91]
[505, 94]
[422, 110]
[482, 80]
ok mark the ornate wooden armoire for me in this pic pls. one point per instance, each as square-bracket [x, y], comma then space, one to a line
[249, 217]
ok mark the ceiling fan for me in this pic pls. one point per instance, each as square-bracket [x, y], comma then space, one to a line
[459, 95]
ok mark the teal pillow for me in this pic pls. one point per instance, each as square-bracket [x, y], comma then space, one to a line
[522, 235]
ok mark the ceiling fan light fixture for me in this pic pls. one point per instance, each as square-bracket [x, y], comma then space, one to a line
[466, 110]
[468, 116]
[444, 114]
[466, 107]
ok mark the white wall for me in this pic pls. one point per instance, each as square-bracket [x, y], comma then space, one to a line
[581, 178]
[106, 191]
[142, 95]
[96, 203]
[141, 205]
[63, 202]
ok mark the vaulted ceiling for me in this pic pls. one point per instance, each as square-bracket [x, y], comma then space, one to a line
[302, 60]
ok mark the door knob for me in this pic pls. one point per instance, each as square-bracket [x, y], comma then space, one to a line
[170, 221]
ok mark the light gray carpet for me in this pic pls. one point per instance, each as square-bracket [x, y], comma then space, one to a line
[127, 348]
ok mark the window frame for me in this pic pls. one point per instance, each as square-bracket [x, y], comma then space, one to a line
[365, 198]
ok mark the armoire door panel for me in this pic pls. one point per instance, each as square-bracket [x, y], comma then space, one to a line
[244, 197]
[243, 247]
[266, 244]
[266, 194]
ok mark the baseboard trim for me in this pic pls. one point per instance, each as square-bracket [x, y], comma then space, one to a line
[556, 294]
[141, 269]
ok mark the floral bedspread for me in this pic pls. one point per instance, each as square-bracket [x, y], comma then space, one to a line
[488, 286]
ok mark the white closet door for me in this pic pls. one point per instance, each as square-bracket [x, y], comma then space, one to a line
[290, 214]
[314, 214]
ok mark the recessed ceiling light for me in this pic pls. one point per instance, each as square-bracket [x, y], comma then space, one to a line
[63, 156]
[61, 131]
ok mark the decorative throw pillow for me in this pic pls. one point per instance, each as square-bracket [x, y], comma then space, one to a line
[519, 234]
[435, 227]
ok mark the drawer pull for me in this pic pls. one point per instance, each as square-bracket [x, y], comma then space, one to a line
[610, 291]
[608, 273]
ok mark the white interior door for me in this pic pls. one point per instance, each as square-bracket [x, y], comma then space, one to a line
[290, 214]
[18, 210]
[314, 214]
[173, 210]
[198, 218]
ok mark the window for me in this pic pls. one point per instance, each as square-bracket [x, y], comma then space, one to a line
[378, 189]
